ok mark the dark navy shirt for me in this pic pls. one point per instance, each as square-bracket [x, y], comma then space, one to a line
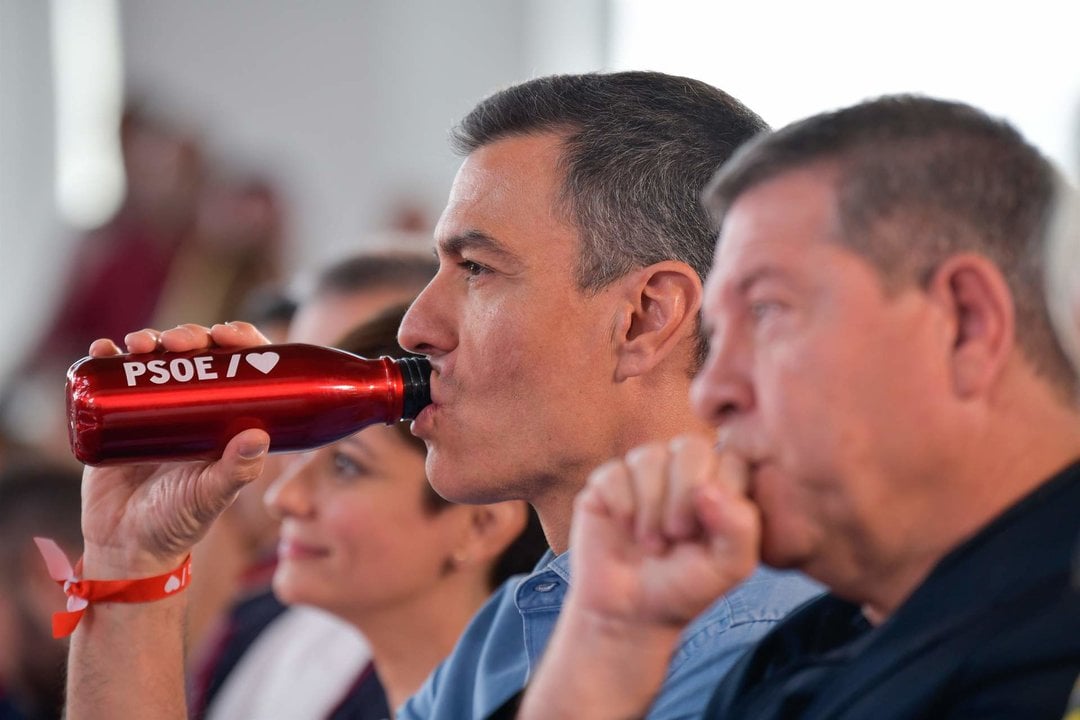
[993, 632]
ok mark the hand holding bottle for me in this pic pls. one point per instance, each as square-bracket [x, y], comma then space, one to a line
[141, 520]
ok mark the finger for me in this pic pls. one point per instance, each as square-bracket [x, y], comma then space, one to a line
[648, 478]
[241, 463]
[143, 341]
[186, 337]
[607, 492]
[237, 334]
[732, 524]
[693, 463]
[603, 511]
[104, 347]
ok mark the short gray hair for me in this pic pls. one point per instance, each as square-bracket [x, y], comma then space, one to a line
[638, 148]
[918, 180]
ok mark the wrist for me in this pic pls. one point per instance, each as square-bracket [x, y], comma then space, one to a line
[635, 647]
[627, 661]
[617, 631]
[109, 562]
[83, 591]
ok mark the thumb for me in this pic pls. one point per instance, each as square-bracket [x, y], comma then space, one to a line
[243, 460]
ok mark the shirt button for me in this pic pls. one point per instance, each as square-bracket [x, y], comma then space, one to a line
[546, 587]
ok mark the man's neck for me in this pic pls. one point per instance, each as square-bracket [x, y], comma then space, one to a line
[1015, 463]
[556, 512]
[660, 422]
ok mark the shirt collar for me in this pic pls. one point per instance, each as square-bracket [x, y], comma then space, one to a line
[558, 564]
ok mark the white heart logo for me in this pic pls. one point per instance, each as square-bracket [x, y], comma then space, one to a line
[263, 362]
[172, 584]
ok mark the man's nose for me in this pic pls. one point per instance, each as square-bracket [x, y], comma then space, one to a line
[722, 388]
[427, 327]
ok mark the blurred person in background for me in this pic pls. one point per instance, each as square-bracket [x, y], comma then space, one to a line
[364, 537]
[232, 604]
[236, 246]
[271, 308]
[189, 241]
[117, 271]
[37, 499]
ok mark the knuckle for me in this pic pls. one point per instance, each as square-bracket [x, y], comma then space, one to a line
[685, 443]
[243, 326]
[647, 456]
[606, 473]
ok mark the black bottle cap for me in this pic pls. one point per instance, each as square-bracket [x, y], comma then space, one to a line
[415, 375]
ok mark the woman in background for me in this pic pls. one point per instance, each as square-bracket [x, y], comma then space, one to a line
[365, 537]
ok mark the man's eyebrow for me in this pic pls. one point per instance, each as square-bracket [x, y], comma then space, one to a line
[742, 287]
[766, 272]
[474, 240]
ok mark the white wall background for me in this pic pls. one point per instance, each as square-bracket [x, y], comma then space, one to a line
[789, 58]
[30, 256]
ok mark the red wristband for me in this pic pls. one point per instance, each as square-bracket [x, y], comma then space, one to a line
[81, 592]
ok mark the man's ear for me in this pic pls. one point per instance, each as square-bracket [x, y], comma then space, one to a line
[973, 291]
[660, 311]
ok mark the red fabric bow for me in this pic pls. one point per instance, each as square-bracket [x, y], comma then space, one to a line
[80, 592]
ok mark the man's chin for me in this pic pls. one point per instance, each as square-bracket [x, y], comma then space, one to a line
[461, 483]
[451, 480]
[780, 555]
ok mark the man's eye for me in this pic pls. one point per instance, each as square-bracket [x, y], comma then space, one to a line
[763, 309]
[473, 268]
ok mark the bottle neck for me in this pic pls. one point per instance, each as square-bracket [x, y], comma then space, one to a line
[416, 387]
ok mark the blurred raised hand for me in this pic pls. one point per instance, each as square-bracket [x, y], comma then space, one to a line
[661, 534]
[658, 536]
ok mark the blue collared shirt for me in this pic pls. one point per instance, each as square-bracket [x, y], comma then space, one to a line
[505, 640]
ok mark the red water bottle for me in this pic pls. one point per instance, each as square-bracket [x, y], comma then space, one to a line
[184, 406]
